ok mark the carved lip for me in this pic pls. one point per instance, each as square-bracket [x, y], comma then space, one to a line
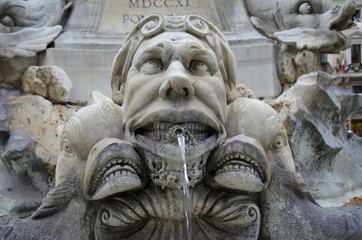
[157, 124]
[155, 133]
[167, 131]
[340, 16]
[240, 161]
[112, 167]
[240, 164]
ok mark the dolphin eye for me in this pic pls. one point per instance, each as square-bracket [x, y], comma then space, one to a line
[305, 8]
[7, 21]
[67, 146]
[277, 143]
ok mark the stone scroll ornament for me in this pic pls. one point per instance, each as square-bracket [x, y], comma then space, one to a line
[27, 27]
[305, 29]
[119, 171]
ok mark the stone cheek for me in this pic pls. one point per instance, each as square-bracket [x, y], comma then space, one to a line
[40, 119]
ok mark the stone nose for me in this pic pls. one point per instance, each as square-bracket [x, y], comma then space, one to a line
[177, 82]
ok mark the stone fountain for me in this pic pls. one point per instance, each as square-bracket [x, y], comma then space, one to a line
[119, 172]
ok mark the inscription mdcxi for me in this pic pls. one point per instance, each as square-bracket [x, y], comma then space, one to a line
[119, 17]
[158, 3]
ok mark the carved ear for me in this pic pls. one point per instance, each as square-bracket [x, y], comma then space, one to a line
[120, 66]
[230, 94]
[227, 65]
[118, 93]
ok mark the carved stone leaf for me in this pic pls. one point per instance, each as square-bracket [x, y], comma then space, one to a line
[313, 39]
[236, 210]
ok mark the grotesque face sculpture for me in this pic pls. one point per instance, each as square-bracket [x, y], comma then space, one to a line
[175, 81]
[173, 74]
[120, 166]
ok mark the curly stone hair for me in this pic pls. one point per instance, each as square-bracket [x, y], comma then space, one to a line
[156, 24]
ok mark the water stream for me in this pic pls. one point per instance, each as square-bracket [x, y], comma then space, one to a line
[187, 198]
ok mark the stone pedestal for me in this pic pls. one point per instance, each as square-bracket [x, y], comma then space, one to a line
[256, 68]
[88, 69]
[97, 29]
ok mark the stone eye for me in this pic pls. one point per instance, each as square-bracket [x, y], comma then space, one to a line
[67, 147]
[7, 21]
[199, 68]
[152, 66]
[305, 8]
[277, 143]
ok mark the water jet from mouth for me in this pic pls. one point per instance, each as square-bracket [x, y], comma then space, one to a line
[187, 198]
[178, 131]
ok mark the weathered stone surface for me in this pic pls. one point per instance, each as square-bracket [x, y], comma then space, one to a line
[17, 15]
[121, 171]
[24, 177]
[27, 27]
[27, 42]
[97, 97]
[304, 25]
[12, 70]
[294, 63]
[304, 30]
[86, 47]
[89, 69]
[30, 128]
[294, 210]
[40, 119]
[253, 71]
[315, 113]
[51, 82]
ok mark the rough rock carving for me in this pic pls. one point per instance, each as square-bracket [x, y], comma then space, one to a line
[316, 111]
[119, 168]
[305, 29]
[27, 27]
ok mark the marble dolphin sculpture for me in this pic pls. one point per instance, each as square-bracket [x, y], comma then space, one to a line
[283, 199]
[77, 141]
[245, 183]
[311, 25]
[27, 27]
[18, 14]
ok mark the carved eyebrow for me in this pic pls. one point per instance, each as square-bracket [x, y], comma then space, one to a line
[162, 50]
[195, 51]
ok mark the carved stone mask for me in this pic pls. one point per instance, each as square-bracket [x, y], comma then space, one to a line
[175, 80]
[184, 90]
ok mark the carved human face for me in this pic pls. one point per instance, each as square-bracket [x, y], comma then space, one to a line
[174, 83]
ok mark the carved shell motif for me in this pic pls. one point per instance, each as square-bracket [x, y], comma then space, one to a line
[156, 214]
